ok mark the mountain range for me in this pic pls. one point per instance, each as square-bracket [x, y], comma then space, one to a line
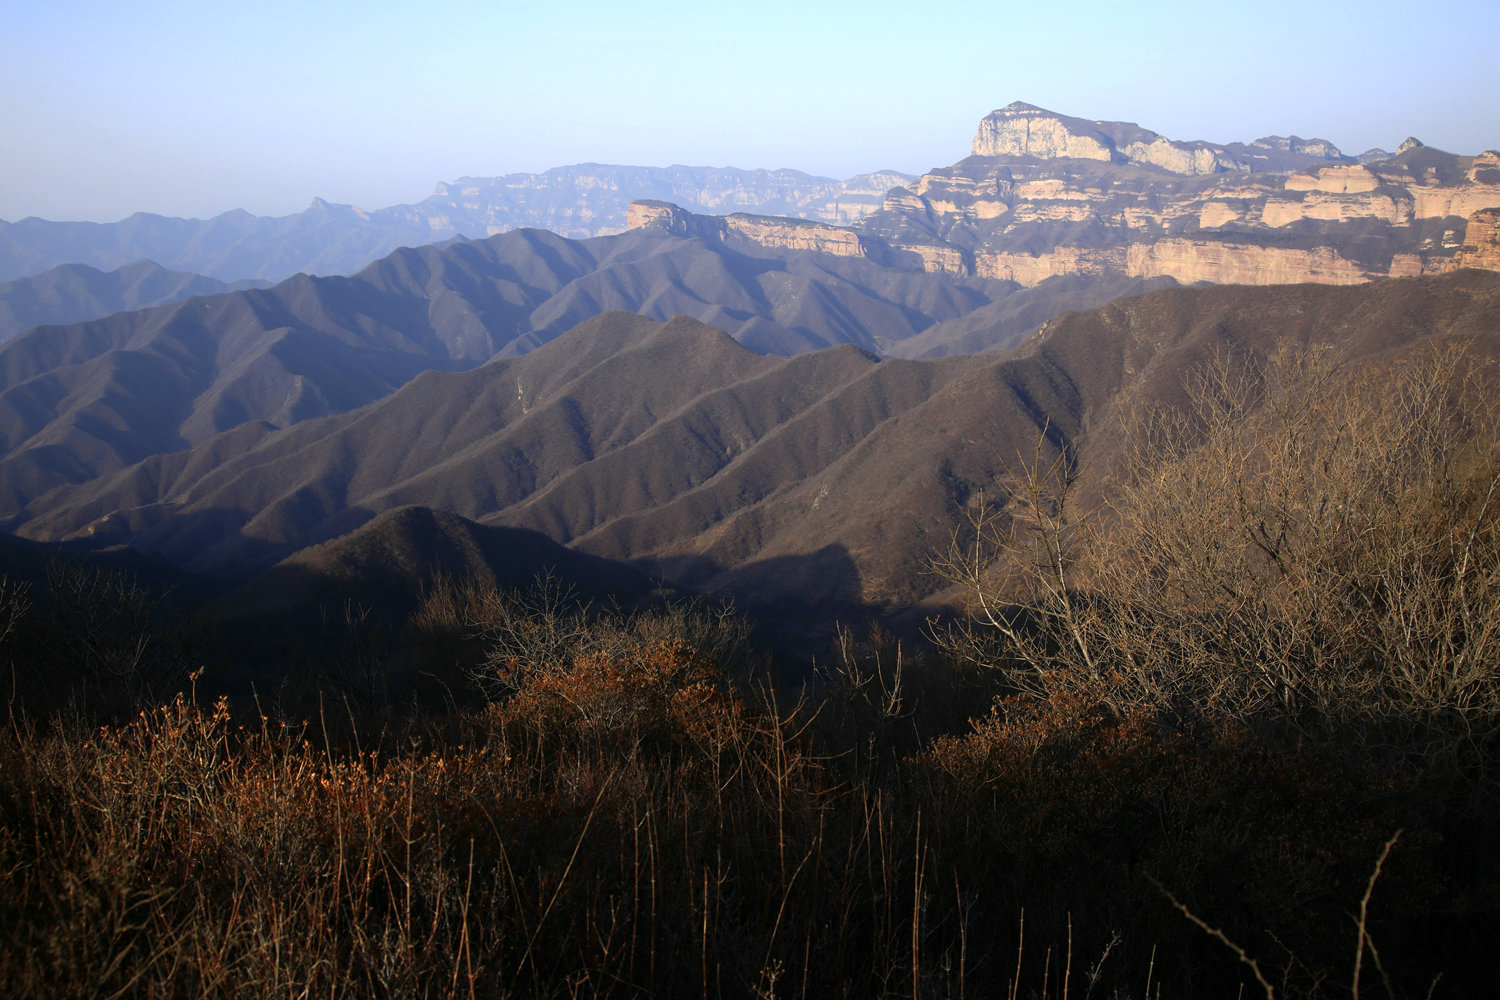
[1043, 195]
[72, 293]
[83, 400]
[580, 201]
[1040, 195]
[770, 407]
[828, 477]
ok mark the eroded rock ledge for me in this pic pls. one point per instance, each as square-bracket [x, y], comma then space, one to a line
[767, 231]
[1044, 195]
[1187, 260]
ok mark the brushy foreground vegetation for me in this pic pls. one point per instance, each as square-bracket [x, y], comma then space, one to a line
[1211, 777]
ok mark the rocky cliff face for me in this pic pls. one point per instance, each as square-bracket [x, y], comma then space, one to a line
[1185, 260]
[1025, 130]
[766, 231]
[1043, 195]
[1481, 242]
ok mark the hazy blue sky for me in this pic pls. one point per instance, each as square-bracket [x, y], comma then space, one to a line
[184, 107]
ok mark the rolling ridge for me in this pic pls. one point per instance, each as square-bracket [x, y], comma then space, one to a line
[825, 478]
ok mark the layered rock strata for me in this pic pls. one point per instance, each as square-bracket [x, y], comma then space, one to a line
[1044, 195]
[766, 231]
[1482, 242]
[1185, 260]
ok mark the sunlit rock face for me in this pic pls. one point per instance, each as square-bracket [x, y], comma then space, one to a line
[766, 231]
[1481, 247]
[1018, 130]
[1043, 194]
[1021, 130]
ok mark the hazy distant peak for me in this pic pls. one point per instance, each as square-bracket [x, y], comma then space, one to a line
[1320, 148]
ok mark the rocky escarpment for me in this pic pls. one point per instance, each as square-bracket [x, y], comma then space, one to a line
[1044, 195]
[1482, 242]
[766, 231]
[1047, 196]
[1185, 260]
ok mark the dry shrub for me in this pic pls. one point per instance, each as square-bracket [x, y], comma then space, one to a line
[1307, 544]
[1275, 644]
[1082, 812]
[97, 642]
[503, 638]
[634, 829]
[658, 693]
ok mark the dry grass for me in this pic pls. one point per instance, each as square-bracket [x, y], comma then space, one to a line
[631, 825]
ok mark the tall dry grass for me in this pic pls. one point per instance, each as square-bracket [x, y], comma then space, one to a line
[631, 824]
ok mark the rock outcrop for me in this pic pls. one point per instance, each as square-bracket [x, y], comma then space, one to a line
[1021, 129]
[1186, 261]
[1481, 242]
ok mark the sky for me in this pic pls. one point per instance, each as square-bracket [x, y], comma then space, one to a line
[186, 108]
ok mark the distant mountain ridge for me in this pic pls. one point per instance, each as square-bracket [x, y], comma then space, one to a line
[578, 201]
[1041, 194]
[72, 293]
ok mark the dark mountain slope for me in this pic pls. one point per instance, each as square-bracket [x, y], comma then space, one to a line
[1135, 352]
[384, 564]
[827, 477]
[81, 401]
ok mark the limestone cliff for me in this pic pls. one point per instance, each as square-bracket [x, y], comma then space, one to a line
[766, 231]
[1185, 260]
[1025, 130]
[1044, 195]
[1481, 242]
